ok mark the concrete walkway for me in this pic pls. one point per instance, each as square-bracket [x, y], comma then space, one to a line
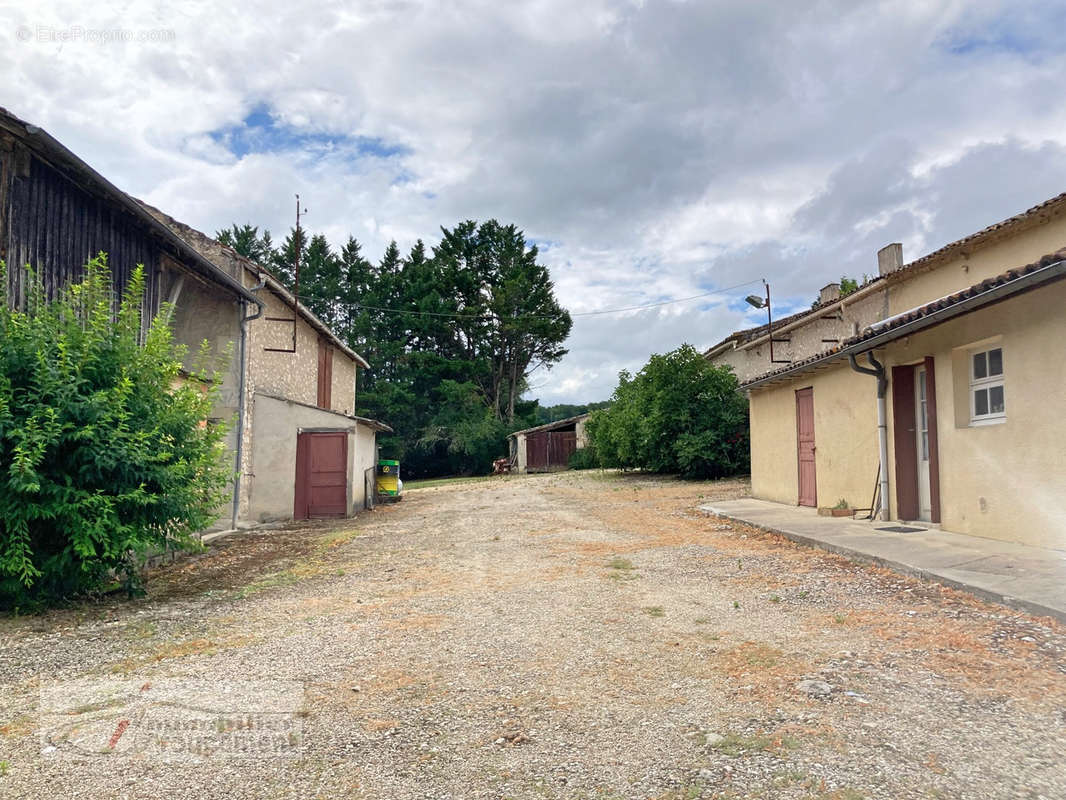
[1030, 578]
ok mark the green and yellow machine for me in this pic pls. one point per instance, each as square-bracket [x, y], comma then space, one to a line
[388, 479]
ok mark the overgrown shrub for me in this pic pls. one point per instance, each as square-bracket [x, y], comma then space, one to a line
[585, 458]
[680, 414]
[104, 448]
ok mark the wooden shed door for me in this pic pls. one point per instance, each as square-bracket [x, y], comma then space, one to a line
[537, 451]
[808, 486]
[321, 475]
[560, 446]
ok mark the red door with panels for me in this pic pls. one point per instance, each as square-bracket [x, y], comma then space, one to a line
[321, 475]
[808, 486]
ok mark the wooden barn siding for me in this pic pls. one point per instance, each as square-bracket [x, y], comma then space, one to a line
[55, 226]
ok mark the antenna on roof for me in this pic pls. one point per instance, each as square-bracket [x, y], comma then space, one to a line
[297, 244]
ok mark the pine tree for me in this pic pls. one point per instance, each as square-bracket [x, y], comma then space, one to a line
[245, 239]
[283, 262]
[320, 280]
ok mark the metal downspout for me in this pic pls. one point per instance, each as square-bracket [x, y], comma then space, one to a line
[878, 372]
[242, 388]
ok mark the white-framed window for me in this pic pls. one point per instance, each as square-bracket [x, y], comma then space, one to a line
[987, 400]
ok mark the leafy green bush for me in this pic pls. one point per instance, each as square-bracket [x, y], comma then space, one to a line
[680, 414]
[585, 458]
[104, 449]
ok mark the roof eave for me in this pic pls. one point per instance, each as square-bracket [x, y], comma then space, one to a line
[559, 423]
[1056, 270]
[56, 150]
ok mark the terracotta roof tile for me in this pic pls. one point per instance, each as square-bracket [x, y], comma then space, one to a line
[907, 317]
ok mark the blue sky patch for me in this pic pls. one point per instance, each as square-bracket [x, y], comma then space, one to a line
[261, 131]
[1018, 31]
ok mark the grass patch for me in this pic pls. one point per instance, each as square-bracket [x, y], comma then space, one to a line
[736, 745]
[790, 777]
[285, 578]
[3, 768]
[141, 630]
[685, 792]
[654, 611]
[409, 486]
[21, 725]
[336, 539]
[775, 598]
[622, 569]
[761, 655]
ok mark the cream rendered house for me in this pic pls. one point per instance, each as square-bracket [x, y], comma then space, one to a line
[939, 383]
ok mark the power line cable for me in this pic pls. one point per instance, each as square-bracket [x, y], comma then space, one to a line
[455, 315]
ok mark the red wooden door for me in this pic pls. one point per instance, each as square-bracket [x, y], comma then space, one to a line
[906, 445]
[321, 475]
[808, 487]
[560, 445]
[537, 451]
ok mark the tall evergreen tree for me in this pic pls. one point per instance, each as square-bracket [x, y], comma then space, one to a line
[451, 335]
[245, 239]
[320, 280]
[284, 259]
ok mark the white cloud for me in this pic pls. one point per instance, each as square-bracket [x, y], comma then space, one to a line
[661, 148]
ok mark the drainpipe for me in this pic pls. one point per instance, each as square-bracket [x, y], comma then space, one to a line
[242, 387]
[878, 372]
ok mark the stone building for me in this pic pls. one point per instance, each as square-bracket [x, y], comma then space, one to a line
[285, 380]
[304, 452]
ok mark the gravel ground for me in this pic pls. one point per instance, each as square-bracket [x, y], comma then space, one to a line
[581, 635]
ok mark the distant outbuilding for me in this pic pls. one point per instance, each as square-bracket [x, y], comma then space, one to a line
[548, 447]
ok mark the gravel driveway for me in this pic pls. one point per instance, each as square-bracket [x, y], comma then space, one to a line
[581, 635]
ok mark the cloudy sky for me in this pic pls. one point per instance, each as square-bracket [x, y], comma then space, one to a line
[654, 150]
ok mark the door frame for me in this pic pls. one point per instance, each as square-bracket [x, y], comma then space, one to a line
[921, 396]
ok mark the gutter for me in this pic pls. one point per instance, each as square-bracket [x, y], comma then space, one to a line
[878, 372]
[874, 339]
[241, 400]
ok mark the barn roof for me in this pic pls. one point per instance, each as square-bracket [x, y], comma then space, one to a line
[57, 155]
[551, 426]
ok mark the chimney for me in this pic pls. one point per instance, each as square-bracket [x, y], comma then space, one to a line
[890, 258]
[829, 293]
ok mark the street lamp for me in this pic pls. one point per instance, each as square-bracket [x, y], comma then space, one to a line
[755, 301]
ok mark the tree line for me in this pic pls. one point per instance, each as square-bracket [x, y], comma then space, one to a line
[452, 332]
